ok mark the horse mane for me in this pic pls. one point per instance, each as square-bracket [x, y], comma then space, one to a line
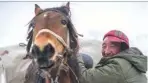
[72, 61]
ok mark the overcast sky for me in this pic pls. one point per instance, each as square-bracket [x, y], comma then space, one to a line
[92, 19]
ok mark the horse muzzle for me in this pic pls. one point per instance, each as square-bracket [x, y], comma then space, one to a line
[44, 63]
[43, 55]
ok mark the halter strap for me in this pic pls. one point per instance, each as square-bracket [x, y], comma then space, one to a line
[55, 35]
[44, 74]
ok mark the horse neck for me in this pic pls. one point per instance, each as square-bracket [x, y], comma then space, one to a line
[64, 76]
[73, 69]
[70, 75]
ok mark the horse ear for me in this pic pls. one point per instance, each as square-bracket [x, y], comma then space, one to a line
[37, 9]
[68, 6]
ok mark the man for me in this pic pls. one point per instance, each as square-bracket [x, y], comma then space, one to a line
[120, 63]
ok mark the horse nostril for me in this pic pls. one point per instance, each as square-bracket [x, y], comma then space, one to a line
[35, 51]
[48, 50]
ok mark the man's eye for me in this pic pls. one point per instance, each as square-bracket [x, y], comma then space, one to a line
[103, 46]
[112, 45]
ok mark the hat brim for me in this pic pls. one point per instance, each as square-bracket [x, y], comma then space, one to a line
[114, 39]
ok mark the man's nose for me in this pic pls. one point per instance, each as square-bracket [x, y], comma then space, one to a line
[108, 51]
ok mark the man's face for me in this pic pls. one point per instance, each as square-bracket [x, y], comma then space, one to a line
[110, 48]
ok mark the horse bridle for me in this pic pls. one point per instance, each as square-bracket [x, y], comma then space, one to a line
[32, 25]
[45, 74]
[58, 74]
[67, 50]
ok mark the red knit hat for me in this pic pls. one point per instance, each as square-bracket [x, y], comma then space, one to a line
[117, 36]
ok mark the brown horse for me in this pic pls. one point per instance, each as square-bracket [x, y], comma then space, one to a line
[53, 46]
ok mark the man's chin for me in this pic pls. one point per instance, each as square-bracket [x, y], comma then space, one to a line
[107, 55]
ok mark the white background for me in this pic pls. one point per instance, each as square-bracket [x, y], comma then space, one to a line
[92, 19]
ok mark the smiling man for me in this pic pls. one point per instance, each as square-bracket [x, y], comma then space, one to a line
[120, 63]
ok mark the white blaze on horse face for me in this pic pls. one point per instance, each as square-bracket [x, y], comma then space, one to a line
[50, 15]
[45, 15]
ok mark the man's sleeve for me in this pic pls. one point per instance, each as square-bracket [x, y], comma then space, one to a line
[110, 73]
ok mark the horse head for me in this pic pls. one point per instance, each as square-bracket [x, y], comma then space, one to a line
[53, 43]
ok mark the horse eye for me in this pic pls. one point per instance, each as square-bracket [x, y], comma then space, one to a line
[33, 25]
[63, 22]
